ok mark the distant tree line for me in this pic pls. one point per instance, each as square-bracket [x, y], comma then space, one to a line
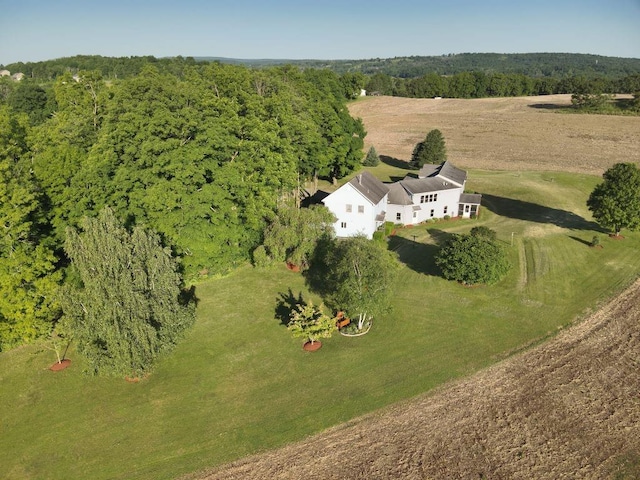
[480, 85]
[555, 65]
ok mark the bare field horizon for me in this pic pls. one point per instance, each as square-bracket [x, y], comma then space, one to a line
[513, 133]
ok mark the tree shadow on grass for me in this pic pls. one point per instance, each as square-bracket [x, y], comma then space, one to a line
[396, 162]
[285, 304]
[580, 240]
[551, 106]
[533, 212]
[419, 257]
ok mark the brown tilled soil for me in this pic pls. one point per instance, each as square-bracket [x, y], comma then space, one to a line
[524, 133]
[567, 409]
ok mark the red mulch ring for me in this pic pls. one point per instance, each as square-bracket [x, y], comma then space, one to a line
[616, 237]
[56, 367]
[132, 379]
[312, 347]
[293, 267]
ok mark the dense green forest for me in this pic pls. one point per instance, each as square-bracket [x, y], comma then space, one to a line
[202, 156]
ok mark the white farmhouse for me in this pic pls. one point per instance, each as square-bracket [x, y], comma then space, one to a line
[359, 206]
[364, 203]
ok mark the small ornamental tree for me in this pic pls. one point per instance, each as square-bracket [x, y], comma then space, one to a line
[615, 202]
[472, 259]
[130, 307]
[308, 321]
[430, 151]
[372, 159]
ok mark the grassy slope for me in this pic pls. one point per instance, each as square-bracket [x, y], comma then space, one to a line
[240, 383]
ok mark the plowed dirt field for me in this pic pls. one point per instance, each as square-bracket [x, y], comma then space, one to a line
[523, 133]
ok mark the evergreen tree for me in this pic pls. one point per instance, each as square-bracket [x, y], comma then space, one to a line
[372, 159]
[432, 150]
[130, 307]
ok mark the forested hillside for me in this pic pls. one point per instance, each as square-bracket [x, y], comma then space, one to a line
[556, 65]
[202, 157]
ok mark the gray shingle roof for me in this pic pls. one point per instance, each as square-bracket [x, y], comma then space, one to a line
[424, 185]
[473, 198]
[398, 195]
[446, 170]
[369, 186]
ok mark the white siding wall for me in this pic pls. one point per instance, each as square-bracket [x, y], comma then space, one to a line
[445, 198]
[405, 211]
[358, 220]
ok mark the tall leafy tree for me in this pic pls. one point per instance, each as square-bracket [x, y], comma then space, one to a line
[432, 150]
[359, 275]
[30, 98]
[28, 281]
[130, 308]
[294, 232]
[615, 203]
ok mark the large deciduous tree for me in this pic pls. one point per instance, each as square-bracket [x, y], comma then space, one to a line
[28, 281]
[130, 307]
[430, 151]
[615, 203]
[359, 276]
[294, 232]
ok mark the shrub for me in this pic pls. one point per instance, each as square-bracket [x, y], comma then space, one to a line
[260, 257]
[472, 259]
[483, 232]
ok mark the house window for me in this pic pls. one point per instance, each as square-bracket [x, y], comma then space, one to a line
[422, 198]
[431, 198]
[343, 224]
[432, 212]
[398, 216]
[435, 197]
[348, 208]
[414, 214]
[360, 208]
[445, 209]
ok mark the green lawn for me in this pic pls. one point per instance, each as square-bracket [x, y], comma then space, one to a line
[239, 383]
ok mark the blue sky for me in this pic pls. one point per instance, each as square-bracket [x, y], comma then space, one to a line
[34, 30]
